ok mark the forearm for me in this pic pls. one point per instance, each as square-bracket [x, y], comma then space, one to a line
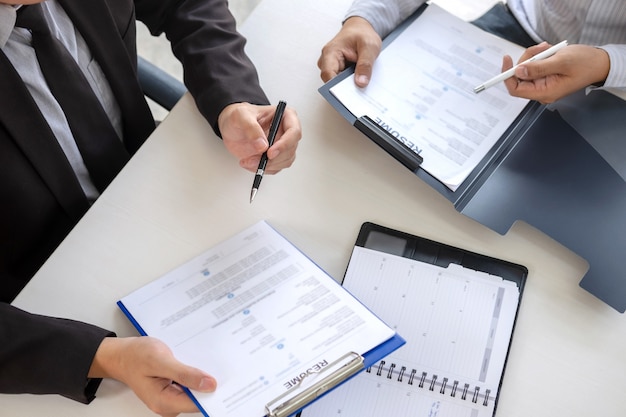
[383, 15]
[45, 355]
[204, 38]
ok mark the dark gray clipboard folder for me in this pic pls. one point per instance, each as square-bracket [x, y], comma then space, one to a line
[383, 239]
[395, 242]
[550, 170]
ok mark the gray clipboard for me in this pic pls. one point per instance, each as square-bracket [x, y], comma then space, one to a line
[544, 171]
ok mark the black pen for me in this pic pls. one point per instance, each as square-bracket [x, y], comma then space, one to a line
[278, 116]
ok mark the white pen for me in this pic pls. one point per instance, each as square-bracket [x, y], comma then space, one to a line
[509, 73]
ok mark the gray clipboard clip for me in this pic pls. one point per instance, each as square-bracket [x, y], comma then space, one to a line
[290, 402]
[389, 143]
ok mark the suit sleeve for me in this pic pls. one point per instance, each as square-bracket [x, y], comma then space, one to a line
[204, 38]
[45, 355]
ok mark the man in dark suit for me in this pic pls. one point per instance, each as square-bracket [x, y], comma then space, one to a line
[46, 188]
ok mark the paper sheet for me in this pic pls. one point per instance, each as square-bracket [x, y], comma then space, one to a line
[257, 314]
[422, 92]
[457, 323]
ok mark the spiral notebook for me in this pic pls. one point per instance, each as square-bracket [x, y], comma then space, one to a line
[457, 311]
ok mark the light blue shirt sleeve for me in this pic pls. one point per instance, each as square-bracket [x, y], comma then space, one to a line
[383, 15]
[617, 72]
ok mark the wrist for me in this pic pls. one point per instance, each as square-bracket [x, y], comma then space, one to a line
[603, 66]
[106, 359]
[356, 22]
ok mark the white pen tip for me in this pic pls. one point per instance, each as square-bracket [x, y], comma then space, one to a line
[252, 194]
[479, 89]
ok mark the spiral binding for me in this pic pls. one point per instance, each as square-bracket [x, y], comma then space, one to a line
[432, 383]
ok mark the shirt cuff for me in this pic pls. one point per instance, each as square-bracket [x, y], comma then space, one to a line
[615, 82]
[617, 71]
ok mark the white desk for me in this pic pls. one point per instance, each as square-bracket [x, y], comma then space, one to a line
[183, 192]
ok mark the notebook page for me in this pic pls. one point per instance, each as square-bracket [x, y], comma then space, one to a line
[457, 324]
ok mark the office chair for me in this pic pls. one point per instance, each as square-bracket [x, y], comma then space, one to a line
[159, 86]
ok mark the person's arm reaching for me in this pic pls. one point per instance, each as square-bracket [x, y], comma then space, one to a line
[148, 367]
[570, 69]
[47, 355]
[358, 42]
[222, 79]
[360, 38]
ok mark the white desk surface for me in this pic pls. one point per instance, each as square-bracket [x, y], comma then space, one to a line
[183, 192]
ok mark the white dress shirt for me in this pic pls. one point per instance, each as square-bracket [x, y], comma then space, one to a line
[16, 45]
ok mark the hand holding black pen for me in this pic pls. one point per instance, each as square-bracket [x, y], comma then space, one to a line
[278, 116]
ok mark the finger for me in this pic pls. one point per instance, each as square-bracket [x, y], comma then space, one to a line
[282, 156]
[161, 394]
[275, 166]
[290, 134]
[193, 378]
[281, 160]
[533, 50]
[539, 69]
[330, 64]
[185, 375]
[174, 400]
[253, 134]
[283, 153]
[507, 63]
[534, 90]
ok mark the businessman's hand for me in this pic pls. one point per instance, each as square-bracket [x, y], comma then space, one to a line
[244, 129]
[357, 41]
[570, 69]
[148, 367]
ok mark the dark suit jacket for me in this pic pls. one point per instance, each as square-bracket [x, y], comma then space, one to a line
[42, 199]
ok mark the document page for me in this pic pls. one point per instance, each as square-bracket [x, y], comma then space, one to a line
[258, 315]
[457, 323]
[421, 91]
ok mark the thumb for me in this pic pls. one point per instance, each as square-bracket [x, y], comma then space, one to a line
[248, 139]
[363, 69]
[366, 56]
[536, 70]
[254, 137]
[188, 376]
